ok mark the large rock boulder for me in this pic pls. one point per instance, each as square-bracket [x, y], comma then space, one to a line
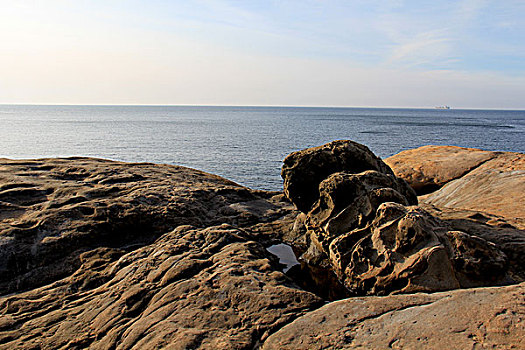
[483, 318]
[348, 201]
[363, 227]
[302, 171]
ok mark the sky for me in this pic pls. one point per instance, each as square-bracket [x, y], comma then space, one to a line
[363, 53]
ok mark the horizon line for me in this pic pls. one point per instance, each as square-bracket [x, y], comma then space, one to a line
[252, 106]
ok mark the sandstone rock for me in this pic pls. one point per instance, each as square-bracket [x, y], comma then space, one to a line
[212, 288]
[484, 318]
[348, 201]
[428, 168]
[52, 210]
[362, 228]
[406, 250]
[143, 256]
[303, 170]
[497, 187]
[466, 178]
[507, 235]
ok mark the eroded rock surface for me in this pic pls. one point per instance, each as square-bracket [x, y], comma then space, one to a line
[406, 250]
[483, 318]
[454, 177]
[141, 256]
[363, 227]
[52, 210]
[349, 201]
[506, 234]
[302, 171]
[212, 288]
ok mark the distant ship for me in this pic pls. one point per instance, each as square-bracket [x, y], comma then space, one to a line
[443, 107]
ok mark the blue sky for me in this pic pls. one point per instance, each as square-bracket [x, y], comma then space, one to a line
[468, 54]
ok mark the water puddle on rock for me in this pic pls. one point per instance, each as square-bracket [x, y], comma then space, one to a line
[285, 254]
[320, 281]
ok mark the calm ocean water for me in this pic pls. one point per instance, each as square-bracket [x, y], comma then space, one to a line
[243, 144]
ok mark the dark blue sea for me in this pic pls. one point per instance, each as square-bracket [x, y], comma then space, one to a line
[243, 144]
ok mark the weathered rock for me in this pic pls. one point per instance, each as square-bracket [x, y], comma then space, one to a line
[52, 210]
[507, 235]
[212, 288]
[361, 227]
[454, 177]
[303, 170]
[484, 318]
[348, 201]
[406, 250]
[497, 187]
[428, 168]
[95, 231]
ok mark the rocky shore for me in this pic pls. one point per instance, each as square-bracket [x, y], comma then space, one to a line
[425, 249]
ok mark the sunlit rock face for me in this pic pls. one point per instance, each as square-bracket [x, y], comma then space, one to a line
[364, 225]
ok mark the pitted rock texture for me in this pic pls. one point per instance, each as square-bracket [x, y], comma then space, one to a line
[212, 288]
[349, 201]
[406, 250]
[53, 210]
[506, 234]
[483, 318]
[120, 268]
[302, 171]
[362, 226]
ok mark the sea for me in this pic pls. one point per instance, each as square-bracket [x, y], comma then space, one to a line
[244, 144]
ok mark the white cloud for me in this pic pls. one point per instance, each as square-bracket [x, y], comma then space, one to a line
[425, 48]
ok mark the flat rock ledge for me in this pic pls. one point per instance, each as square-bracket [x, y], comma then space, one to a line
[483, 318]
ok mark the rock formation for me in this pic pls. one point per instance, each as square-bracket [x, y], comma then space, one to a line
[108, 255]
[212, 288]
[363, 227]
[303, 170]
[52, 210]
[428, 168]
[454, 177]
[483, 318]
